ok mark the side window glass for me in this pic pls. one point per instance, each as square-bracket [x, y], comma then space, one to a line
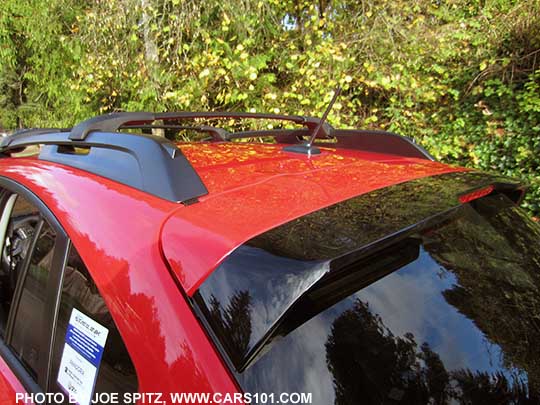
[115, 371]
[27, 328]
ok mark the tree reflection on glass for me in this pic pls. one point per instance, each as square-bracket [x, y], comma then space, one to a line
[370, 365]
[234, 322]
[498, 273]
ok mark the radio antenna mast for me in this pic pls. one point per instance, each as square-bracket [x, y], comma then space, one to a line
[307, 147]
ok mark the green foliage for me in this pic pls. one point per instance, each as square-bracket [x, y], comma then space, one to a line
[36, 60]
[461, 76]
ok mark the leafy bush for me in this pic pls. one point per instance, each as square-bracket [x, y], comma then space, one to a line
[461, 76]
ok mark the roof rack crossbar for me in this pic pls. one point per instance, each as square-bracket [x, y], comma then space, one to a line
[149, 163]
[115, 121]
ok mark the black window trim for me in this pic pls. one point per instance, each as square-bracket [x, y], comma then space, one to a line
[61, 247]
[53, 303]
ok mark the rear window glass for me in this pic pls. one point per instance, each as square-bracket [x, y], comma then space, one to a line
[449, 314]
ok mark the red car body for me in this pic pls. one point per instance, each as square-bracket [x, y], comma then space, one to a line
[147, 255]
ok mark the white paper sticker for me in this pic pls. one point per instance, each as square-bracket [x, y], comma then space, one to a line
[83, 349]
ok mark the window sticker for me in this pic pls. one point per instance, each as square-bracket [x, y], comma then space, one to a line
[83, 349]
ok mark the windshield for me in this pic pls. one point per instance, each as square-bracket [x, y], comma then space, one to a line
[449, 314]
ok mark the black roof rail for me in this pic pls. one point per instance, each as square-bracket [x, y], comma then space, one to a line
[108, 123]
[149, 163]
[157, 166]
[115, 121]
[368, 140]
[282, 135]
[217, 134]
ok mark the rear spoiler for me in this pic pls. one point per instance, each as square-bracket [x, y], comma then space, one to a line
[277, 279]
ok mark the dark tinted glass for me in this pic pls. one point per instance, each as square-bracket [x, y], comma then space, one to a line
[27, 329]
[116, 372]
[451, 314]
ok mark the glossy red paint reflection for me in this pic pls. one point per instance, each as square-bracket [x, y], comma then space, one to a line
[116, 232]
[127, 238]
[256, 187]
[465, 198]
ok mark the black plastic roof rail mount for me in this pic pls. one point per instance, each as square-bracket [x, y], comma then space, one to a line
[149, 163]
[115, 121]
[382, 142]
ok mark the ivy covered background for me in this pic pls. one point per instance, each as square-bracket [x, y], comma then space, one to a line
[460, 76]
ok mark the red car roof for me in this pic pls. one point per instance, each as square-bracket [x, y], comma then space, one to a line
[253, 187]
[256, 187]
